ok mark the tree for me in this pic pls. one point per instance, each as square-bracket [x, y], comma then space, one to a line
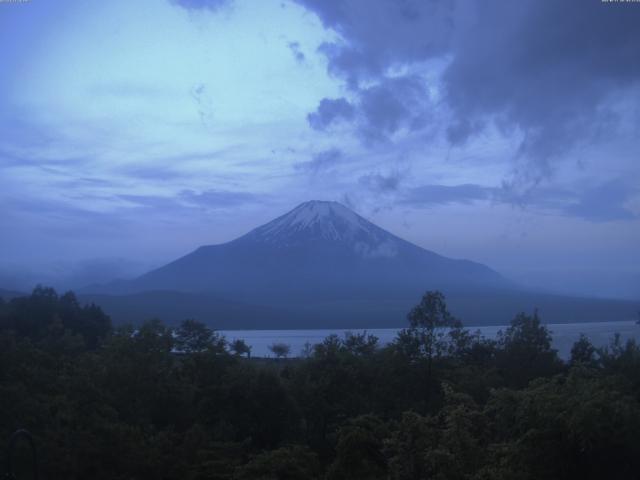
[280, 350]
[329, 347]
[285, 463]
[449, 444]
[44, 314]
[152, 337]
[524, 351]
[622, 358]
[193, 336]
[430, 322]
[359, 450]
[361, 344]
[580, 425]
[240, 347]
[583, 352]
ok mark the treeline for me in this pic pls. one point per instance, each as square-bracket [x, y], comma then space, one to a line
[439, 402]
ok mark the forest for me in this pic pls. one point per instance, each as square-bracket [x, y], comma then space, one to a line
[153, 401]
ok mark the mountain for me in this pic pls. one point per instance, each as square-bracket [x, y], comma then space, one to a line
[319, 250]
[172, 307]
[323, 266]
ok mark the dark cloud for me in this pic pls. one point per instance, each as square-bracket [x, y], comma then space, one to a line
[393, 104]
[297, 53]
[212, 5]
[330, 110]
[379, 183]
[546, 72]
[320, 162]
[381, 110]
[381, 34]
[378, 40]
[606, 202]
[549, 69]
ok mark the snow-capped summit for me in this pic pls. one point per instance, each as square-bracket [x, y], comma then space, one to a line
[318, 250]
[322, 221]
[318, 266]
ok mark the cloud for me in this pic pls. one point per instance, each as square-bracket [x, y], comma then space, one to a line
[212, 5]
[391, 105]
[609, 201]
[378, 35]
[542, 73]
[330, 110]
[189, 199]
[379, 183]
[204, 104]
[553, 75]
[297, 53]
[377, 41]
[322, 161]
[381, 110]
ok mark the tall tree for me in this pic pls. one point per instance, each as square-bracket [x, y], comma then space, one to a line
[193, 336]
[430, 323]
[525, 351]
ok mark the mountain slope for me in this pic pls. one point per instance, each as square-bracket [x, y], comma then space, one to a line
[323, 266]
[319, 251]
[474, 308]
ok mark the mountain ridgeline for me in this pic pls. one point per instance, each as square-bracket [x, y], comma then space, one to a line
[320, 265]
[319, 250]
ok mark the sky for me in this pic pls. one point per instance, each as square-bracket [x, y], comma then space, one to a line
[503, 132]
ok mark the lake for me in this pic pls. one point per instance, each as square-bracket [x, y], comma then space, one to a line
[564, 335]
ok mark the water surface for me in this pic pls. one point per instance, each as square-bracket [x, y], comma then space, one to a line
[564, 335]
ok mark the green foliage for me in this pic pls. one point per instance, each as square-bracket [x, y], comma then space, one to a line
[240, 347]
[359, 450]
[622, 359]
[439, 403]
[193, 336]
[583, 352]
[45, 315]
[525, 351]
[360, 343]
[432, 332]
[580, 425]
[285, 463]
[280, 350]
